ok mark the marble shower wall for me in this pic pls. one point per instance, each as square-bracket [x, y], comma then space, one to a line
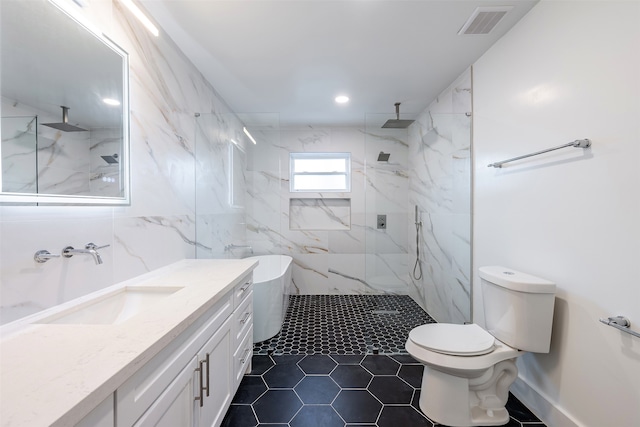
[440, 184]
[159, 227]
[64, 159]
[335, 244]
[220, 220]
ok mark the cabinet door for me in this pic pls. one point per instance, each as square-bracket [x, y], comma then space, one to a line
[218, 375]
[176, 405]
[101, 416]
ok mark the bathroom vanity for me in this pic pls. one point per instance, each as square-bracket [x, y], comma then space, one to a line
[176, 361]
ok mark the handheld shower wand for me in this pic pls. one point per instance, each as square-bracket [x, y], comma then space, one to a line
[417, 266]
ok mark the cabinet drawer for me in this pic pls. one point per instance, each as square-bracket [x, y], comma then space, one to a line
[242, 319]
[242, 290]
[145, 386]
[242, 357]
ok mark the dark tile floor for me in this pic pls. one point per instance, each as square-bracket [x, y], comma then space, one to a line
[340, 360]
[338, 390]
[346, 324]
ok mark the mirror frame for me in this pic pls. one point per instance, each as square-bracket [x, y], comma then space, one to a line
[79, 200]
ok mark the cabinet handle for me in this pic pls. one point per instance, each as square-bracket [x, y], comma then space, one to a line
[246, 286]
[207, 362]
[246, 317]
[244, 356]
[199, 371]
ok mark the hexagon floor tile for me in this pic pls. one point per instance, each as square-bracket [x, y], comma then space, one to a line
[339, 361]
[345, 325]
[319, 400]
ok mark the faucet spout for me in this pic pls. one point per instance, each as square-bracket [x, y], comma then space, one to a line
[69, 251]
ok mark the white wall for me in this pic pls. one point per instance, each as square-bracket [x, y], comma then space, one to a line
[568, 70]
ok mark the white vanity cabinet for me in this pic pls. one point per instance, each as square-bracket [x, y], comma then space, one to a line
[101, 416]
[190, 383]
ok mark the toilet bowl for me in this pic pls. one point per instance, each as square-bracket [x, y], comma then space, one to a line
[468, 369]
[470, 381]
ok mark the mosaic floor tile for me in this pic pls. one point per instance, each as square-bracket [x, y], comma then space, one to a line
[345, 325]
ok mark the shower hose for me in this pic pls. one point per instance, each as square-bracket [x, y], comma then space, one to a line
[417, 266]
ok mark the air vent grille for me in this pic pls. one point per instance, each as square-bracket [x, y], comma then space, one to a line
[484, 19]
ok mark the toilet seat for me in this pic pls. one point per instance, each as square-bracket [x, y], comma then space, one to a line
[452, 339]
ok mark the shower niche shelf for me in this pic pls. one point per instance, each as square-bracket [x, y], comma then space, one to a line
[319, 214]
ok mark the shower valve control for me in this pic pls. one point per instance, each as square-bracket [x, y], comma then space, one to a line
[382, 222]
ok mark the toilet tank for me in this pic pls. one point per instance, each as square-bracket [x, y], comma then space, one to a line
[518, 308]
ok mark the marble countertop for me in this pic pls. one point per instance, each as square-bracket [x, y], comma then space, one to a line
[55, 374]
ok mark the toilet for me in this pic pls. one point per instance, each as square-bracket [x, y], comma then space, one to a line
[467, 369]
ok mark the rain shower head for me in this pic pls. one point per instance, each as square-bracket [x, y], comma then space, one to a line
[397, 123]
[111, 159]
[65, 126]
[383, 157]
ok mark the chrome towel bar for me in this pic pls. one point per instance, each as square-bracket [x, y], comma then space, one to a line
[622, 323]
[578, 143]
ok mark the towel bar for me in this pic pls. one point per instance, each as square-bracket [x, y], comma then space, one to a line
[578, 143]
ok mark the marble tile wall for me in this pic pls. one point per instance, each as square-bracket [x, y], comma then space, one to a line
[105, 178]
[159, 227]
[330, 258]
[440, 184]
[219, 216]
[63, 158]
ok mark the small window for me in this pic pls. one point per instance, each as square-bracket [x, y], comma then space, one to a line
[320, 172]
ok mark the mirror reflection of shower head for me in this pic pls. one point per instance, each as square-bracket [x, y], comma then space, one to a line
[397, 123]
[383, 157]
[111, 159]
[65, 126]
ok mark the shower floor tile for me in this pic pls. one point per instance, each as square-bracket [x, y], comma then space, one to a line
[345, 325]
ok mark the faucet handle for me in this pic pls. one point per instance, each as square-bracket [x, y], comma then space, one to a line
[43, 256]
[95, 247]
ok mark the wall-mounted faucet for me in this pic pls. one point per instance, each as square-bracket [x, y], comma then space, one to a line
[43, 256]
[89, 249]
[231, 247]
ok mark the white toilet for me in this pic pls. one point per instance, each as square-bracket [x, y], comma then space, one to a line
[468, 370]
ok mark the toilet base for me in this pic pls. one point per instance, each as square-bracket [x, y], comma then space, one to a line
[461, 402]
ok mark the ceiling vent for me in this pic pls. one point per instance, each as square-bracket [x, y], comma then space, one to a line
[484, 19]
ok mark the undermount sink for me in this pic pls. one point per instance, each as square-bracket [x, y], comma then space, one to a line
[112, 308]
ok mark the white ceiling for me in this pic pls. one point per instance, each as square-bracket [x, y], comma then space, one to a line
[49, 60]
[291, 58]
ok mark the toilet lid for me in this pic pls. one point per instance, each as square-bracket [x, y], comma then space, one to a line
[457, 340]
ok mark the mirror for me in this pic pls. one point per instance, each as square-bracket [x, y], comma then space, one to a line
[65, 109]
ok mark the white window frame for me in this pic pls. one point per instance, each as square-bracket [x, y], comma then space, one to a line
[306, 156]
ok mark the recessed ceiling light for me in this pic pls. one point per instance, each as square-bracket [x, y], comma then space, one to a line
[110, 101]
[342, 99]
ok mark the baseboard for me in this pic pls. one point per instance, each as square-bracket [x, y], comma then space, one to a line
[541, 406]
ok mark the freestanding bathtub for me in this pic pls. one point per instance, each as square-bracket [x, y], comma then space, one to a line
[271, 290]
